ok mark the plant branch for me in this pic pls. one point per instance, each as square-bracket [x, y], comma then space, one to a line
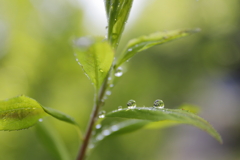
[94, 116]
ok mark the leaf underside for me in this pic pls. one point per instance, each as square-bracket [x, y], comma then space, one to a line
[144, 42]
[174, 116]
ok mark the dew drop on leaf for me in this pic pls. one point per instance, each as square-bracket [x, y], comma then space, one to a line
[91, 146]
[40, 120]
[118, 72]
[102, 114]
[114, 128]
[106, 132]
[98, 126]
[108, 93]
[130, 49]
[84, 42]
[131, 104]
[119, 108]
[99, 137]
[158, 103]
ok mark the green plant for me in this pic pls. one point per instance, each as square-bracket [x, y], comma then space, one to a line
[96, 57]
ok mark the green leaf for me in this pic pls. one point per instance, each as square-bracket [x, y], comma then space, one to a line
[22, 112]
[52, 142]
[117, 14]
[19, 113]
[59, 115]
[116, 128]
[96, 57]
[169, 123]
[177, 115]
[63, 117]
[189, 107]
[144, 42]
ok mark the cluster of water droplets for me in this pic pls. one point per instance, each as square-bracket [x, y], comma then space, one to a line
[106, 132]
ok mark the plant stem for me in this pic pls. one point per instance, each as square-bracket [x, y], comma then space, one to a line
[94, 116]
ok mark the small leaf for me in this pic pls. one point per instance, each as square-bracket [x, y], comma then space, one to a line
[117, 14]
[59, 115]
[177, 115]
[19, 113]
[144, 42]
[63, 117]
[52, 142]
[96, 57]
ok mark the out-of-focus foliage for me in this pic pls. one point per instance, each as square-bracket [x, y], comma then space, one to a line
[36, 59]
[144, 42]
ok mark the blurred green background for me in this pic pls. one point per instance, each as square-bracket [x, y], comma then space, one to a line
[36, 59]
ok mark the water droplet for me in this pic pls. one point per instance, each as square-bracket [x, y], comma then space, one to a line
[108, 93]
[102, 114]
[100, 70]
[114, 128]
[84, 42]
[119, 108]
[106, 132]
[130, 49]
[99, 137]
[158, 103]
[91, 146]
[40, 120]
[111, 85]
[98, 126]
[109, 78]
[131, 104]
[118, 72]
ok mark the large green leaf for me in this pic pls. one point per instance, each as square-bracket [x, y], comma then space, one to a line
[19, 113]
[52, 142]
[169, 123]
[144, 42]
[174, 115]
[22, 112]
[96, 57]
[117, 14]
